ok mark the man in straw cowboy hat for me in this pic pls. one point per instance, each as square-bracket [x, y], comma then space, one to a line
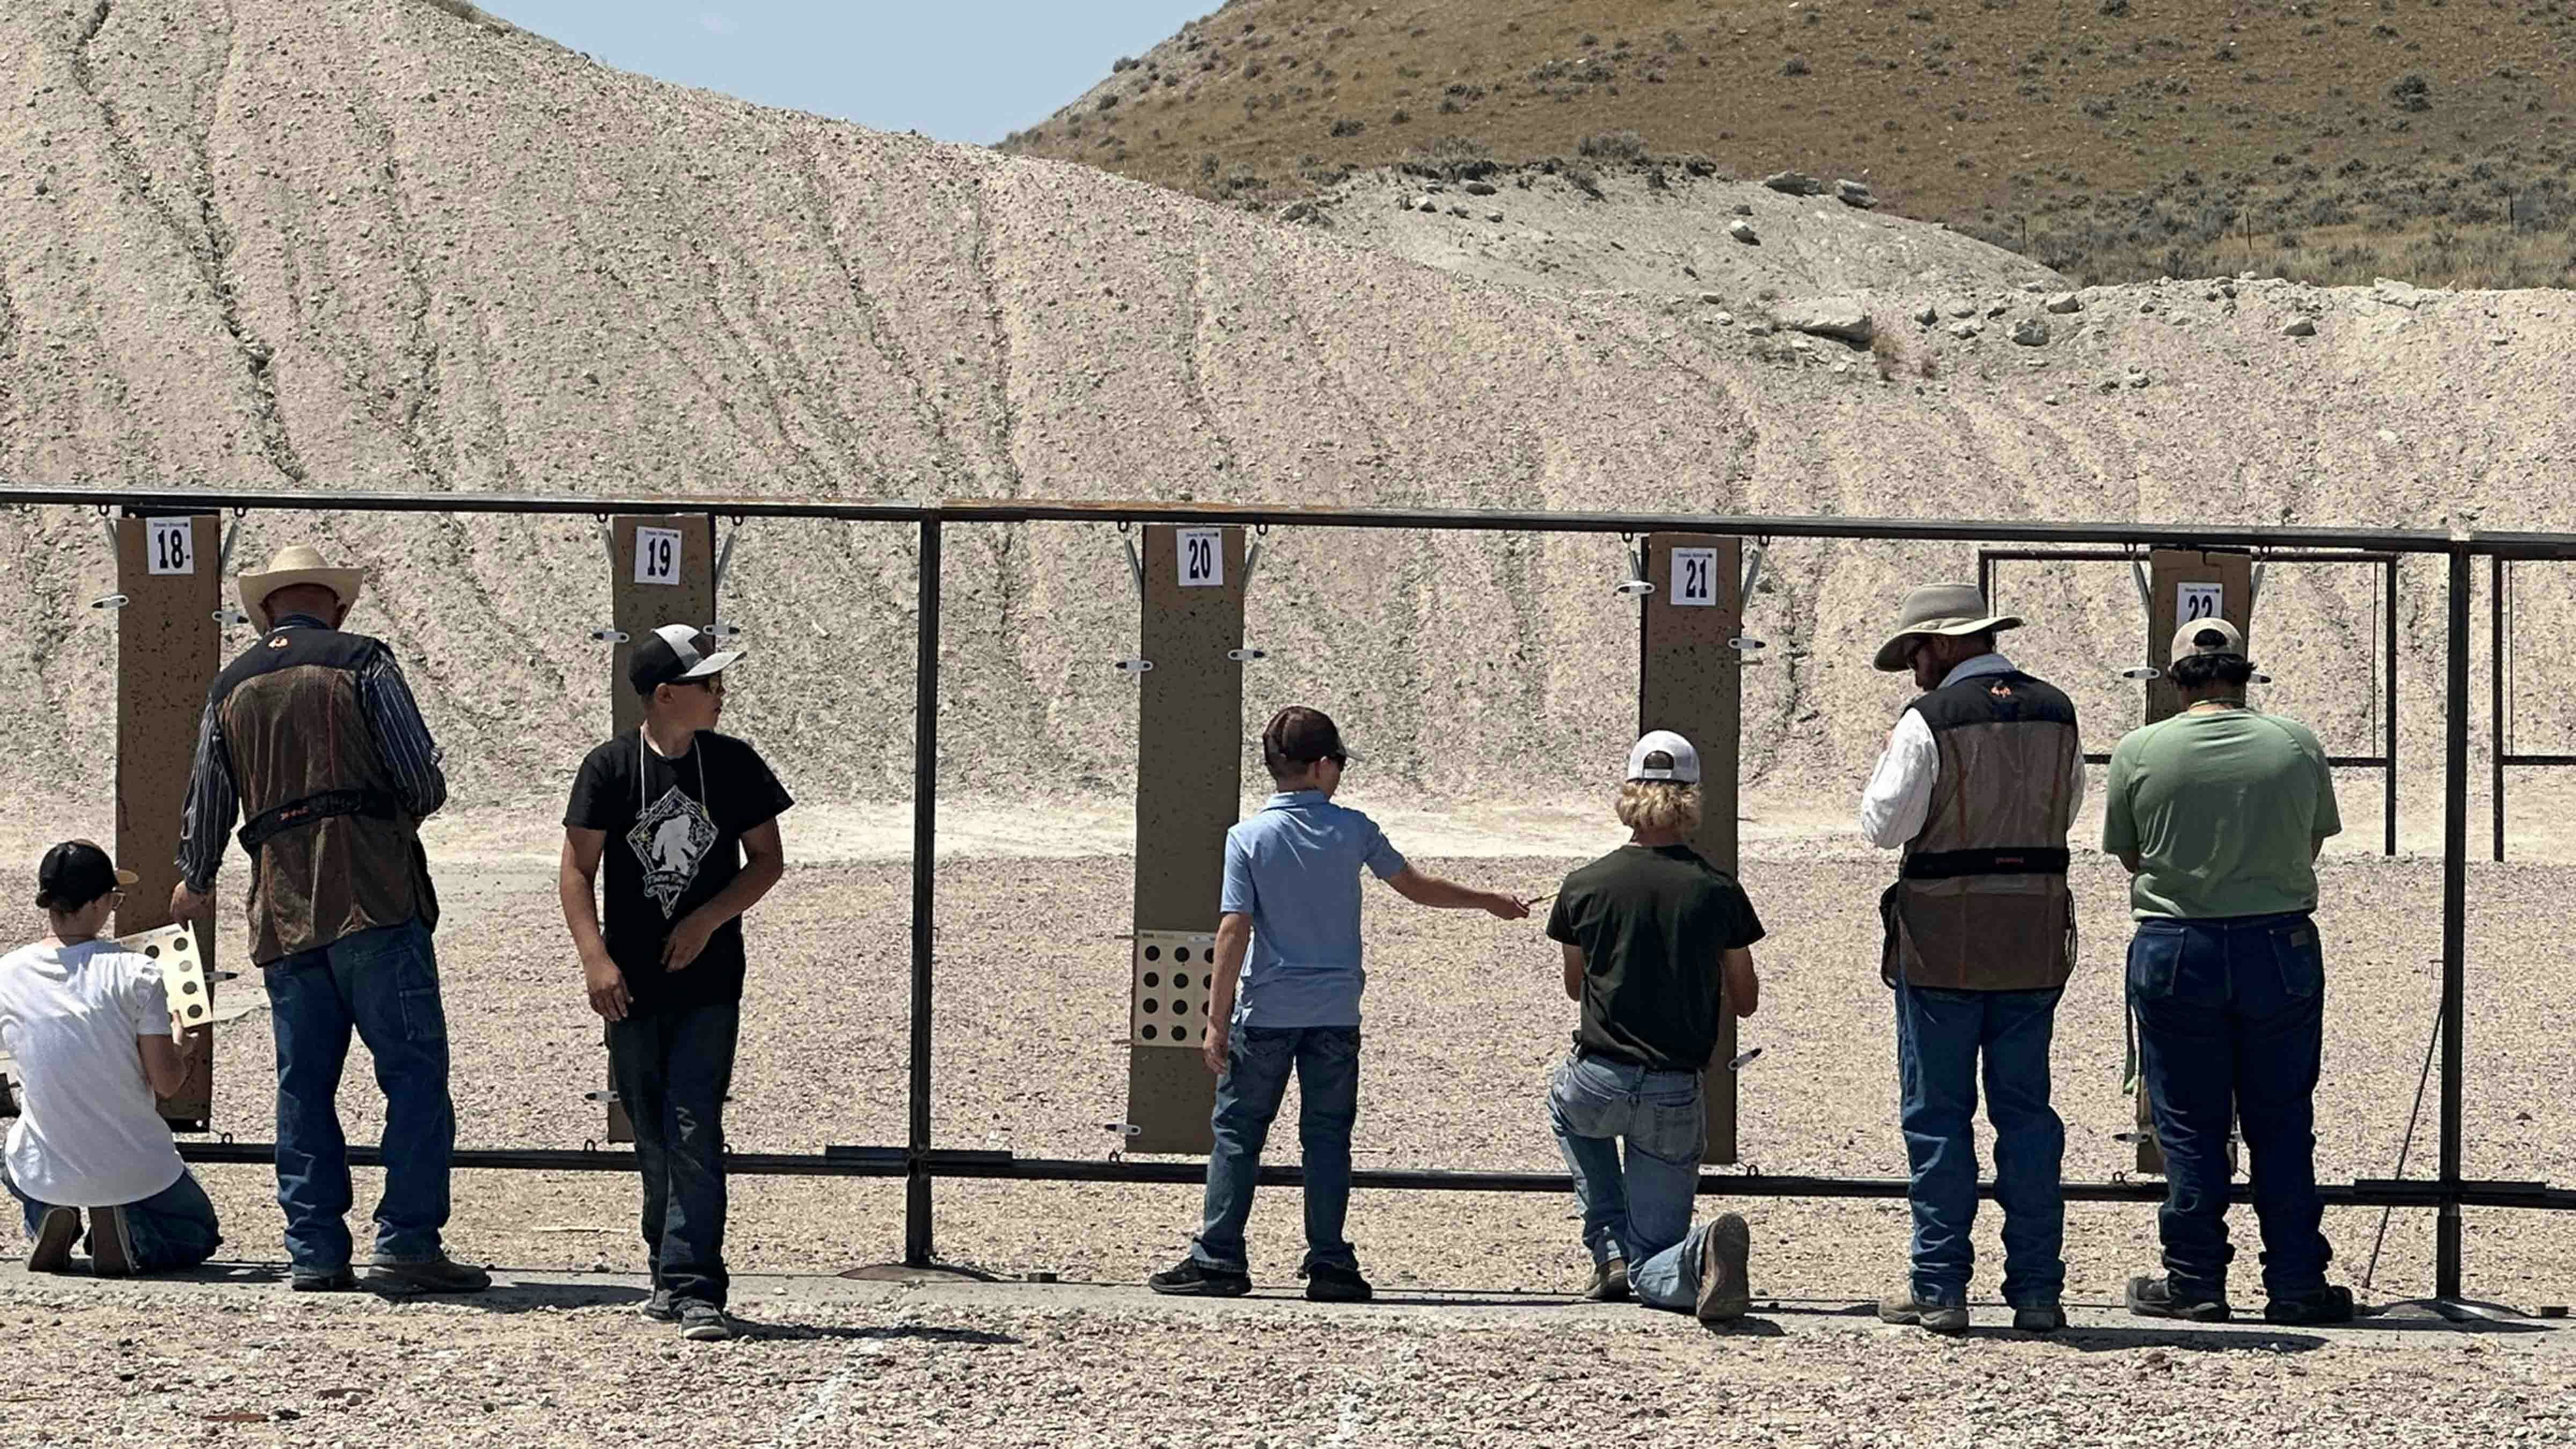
[313, 735]
[1978, 784]
[2218, 812]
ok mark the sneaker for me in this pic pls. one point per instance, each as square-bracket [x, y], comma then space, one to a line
[1724, 1291]
[440, 1274]
[705, 1322]
[2158, 1298]
[1194, 1279]
[1609, 1282]
[2040, 1318]
[1905, 1308]
[2322, 1305]
[1328, 1284]
[111, 1244]
[323, 1280]
[660, 1308]
[54, 1239]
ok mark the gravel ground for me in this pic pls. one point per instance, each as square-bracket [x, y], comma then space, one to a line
[1478, 1346]
[555, 1362]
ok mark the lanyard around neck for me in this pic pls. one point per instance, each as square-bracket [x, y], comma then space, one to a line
[644, 749]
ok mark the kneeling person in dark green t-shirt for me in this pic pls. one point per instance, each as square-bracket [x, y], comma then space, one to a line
[1657, 944]
[687, 820]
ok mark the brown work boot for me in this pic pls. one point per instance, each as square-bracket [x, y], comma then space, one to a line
[1905, 1308]
[1725, 1291]
[111, 1244]
[1609, 1282]
[54, 1238]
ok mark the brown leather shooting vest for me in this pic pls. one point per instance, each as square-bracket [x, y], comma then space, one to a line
[332, 849]
[1982, 903]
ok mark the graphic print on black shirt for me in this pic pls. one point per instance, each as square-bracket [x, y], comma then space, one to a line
[674, 829]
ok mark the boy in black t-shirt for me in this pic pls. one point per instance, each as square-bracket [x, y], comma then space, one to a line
[1657, 943]
[674, 808]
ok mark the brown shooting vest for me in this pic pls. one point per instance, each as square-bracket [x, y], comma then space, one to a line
[1982, 903]
[332, 850]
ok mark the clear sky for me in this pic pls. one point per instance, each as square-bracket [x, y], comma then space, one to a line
[959, 70]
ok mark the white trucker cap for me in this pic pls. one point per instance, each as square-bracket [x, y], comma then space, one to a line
[1663, 755]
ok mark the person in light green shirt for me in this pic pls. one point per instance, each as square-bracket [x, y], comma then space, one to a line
[2219, 813]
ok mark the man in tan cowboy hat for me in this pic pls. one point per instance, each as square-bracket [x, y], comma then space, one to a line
[1979, 784]
[314, 735]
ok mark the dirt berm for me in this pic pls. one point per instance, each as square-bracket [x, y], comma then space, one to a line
[379, 245]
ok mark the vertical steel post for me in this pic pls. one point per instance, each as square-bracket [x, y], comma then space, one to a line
[925, 831]
[2455, 925]
[2388, 746]
[2499, 669]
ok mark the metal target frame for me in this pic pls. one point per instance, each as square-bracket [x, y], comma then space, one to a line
[2383, 660]
[919, 1163]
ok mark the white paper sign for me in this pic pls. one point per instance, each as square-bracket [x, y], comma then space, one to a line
[1202, 558]
[170, 545]
[657, 556]
[1695, 578]
[2195, 602]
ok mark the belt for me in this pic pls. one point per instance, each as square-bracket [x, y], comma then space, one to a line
[2011, 860]
[275, 821]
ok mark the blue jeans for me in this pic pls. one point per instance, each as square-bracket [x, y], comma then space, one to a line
[672, 1070]
[384, 984]
[1939, 1035]
[1258, 1059]
[172, 1229]
[1640, 1213]
[2231, 1025]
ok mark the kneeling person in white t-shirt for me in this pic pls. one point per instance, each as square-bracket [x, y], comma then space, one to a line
[90, 1030]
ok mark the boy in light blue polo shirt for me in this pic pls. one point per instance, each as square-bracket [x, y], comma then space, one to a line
[1291, 938]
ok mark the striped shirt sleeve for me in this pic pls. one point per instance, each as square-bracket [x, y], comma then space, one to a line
[213, 804]
[402, 736]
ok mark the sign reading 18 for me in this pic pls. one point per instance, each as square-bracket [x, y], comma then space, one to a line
[1202, 558]
[170, 546]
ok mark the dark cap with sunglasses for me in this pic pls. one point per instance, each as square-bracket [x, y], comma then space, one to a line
[1297, 737]
[75, 873]
[676, 654]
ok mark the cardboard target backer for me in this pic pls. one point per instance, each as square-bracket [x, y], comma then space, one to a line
[1690, 680]
[2185, 584]
[662, 571]
[1189, 784]
[168, 650]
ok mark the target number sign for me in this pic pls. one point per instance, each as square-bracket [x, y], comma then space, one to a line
[657, 556]
[1202, 558]
[1695, 578]
[170, 545]
[2195, 602]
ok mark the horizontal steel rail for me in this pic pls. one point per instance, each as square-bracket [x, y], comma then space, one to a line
[895, 1162]
[1038, 510]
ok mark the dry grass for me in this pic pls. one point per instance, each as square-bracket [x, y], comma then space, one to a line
[2075, 134]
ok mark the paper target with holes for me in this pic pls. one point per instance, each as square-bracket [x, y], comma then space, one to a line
[183, 972]
[1168, 1006]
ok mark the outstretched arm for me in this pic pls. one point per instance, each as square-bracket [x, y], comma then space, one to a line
[1448, 895]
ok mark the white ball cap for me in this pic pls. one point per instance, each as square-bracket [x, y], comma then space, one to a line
[1663, 755]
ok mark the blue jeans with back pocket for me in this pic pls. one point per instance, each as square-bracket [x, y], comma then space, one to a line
[1640, 1211]
[382, 984]
[2231, 1026]
[1326, 1060]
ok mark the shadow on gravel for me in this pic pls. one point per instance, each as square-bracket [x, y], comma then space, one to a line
[919, 1333]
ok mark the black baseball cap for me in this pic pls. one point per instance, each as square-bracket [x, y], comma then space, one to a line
[676, 654]
[75, 873]
[1298, 736]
